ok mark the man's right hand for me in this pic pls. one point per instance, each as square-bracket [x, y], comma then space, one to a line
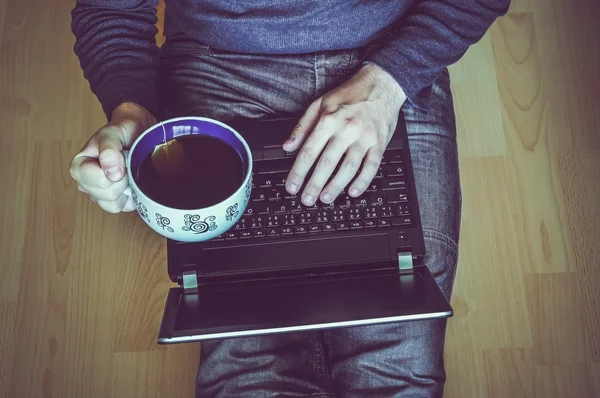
[99, 168]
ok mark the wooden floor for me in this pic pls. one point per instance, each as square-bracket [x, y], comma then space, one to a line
[81, 292]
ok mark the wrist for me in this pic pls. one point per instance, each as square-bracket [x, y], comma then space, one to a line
[131, 112]
[385, 80]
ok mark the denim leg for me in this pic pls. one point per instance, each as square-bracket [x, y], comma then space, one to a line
[406, 359]
[198, 80]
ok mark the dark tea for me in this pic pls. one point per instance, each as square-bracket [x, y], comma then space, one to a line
[212, 172]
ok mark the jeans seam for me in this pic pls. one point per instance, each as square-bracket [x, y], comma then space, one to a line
[445, 238]
[316, 72]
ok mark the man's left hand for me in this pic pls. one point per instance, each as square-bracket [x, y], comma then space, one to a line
[357, 120]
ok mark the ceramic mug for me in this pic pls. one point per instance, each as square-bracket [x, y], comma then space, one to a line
[195, 225]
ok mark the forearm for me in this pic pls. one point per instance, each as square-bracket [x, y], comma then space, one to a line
[433, 35]
[116, 47]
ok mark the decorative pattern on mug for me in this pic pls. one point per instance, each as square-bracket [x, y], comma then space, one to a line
[164, 222]
[248, 188]
[232, 212]
[143, 212]
[194, 223]
[134, 196]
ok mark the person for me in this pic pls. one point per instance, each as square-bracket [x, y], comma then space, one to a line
[345, 69]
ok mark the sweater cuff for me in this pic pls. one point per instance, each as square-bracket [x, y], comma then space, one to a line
[399, 68]
[117, 94]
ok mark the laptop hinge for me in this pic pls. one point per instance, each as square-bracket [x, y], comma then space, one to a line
[190, 282]
[405, 262]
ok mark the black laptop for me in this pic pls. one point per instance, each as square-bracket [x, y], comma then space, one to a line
[287, 267]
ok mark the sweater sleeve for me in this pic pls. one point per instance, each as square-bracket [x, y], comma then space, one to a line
[116, 46]
[433, 35]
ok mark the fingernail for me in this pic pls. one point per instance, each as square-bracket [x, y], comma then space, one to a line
[290, 140]
[354, 192]
[326, 198]
[293, 188]
[307, 199]
[113, 172]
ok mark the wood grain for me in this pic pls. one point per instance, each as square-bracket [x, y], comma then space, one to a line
[82, 292]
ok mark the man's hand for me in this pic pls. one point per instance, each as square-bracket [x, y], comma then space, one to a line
[357, 119]
[99, 168]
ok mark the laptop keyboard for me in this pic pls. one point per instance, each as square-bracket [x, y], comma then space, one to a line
[272, 212]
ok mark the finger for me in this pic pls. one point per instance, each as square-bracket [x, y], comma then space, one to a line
[368, 173]
[347, 171]
[305, 125]
[110, 193]
[113, 206]
[110, 147]
[88, 173]
[309, 153]
[327, 162]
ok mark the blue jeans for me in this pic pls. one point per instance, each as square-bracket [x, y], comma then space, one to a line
[392, 360]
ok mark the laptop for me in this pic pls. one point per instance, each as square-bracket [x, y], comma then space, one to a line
[285, 267]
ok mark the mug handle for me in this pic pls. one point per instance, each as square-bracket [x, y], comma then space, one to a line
[128, 189]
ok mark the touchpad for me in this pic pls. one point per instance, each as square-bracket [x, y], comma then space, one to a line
[303, 252]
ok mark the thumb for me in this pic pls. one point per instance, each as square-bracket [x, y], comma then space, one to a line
[110, 155]
[305, 125]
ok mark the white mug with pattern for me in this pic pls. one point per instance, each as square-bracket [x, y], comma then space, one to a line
[196, 225]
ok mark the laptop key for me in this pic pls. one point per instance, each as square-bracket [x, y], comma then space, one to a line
[300, 229]
[273, 232]
[382, 222]
[245, 234]
[343, 201]
[395, 197]
[387, 211]
[279, 179]
[338, 215]
[323, 216]
[259, 233]
[402, 221]
[356, 224]
[259, 194]
[230, 235]
[402, 210]
[394, 156]
[280, 207]
[393, 170]
[314, 228]
[289, 219]
[264, 181]
[370, 223]
[361, 201]
[373, 186]
[328, 227]
[257, 222]
[273, 221]
[287, 231]
[377, 198]
[371, 212]
[240, 226]
[354, 214]
[389, 183]
[294, 205]
[260, 208]
[379, 173]
[341, 226]
[275, 194]
[305, 218]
